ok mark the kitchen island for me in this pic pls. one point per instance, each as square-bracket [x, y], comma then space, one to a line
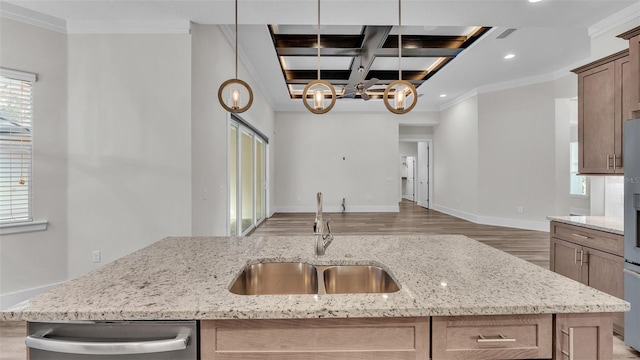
[449, 281]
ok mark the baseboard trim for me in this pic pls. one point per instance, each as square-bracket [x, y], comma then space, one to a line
[495, 221]
[14, 298]
[312, 209]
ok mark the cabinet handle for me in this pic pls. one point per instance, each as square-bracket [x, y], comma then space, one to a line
[610, 159]
[581, 236]
[618, 162]
[581, 257]
[569, 353]
[499, 339]
[575, 256]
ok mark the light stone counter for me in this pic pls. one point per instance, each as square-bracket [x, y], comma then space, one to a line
[609, 224]
[188, 278]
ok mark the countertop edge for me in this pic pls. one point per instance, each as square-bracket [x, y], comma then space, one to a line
[599, 223]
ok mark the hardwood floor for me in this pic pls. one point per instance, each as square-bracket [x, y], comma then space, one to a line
[532, 246]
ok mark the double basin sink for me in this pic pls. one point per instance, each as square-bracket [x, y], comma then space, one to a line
[288, 278]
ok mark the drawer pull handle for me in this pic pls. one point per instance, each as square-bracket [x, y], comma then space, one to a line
[499, 339]
[581, 236]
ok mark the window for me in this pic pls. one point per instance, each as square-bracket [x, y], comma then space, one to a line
[15, 146]
[578, 182]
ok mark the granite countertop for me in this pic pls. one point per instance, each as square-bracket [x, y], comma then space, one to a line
[189, 277]
[609, 224]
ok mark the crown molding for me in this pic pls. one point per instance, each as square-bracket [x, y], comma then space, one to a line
[167, 26]
[621, 17]
[24, 15]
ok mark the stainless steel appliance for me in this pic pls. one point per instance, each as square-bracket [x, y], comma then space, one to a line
[139, 340]
[632, 231]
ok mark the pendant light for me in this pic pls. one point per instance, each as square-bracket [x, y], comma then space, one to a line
[401, 89]
[233, 91]
[318, 88]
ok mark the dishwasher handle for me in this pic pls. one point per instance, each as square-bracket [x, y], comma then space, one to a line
[40, 341]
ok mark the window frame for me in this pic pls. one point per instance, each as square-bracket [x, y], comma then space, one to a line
[28, 224]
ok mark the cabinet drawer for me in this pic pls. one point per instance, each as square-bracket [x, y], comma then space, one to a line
[492, 337]
[600, 240]
[318, 339]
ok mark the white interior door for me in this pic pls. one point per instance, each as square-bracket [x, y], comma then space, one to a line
[410, 191]
[423, 174]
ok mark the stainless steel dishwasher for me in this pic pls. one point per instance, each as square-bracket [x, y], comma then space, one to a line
[139, 340]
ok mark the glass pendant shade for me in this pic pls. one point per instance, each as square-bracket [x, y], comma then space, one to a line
[235, 96]
[315, 97]
[405, 97]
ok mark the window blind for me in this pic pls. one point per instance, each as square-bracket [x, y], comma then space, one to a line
[16, 146]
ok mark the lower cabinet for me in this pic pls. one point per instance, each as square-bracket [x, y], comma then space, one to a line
[545, 336]
[591, 257]
[492, 337]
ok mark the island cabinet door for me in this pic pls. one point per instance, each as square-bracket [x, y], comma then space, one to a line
[583, 337]
[315, 339]
[492, 337]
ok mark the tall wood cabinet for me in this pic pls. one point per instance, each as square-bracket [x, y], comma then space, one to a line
[604, 102]
[594, 258]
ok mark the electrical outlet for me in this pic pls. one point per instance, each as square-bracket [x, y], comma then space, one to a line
[96, 256]
[520, 209]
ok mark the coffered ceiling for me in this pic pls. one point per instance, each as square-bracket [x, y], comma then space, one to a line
[551, 36]
[351, 55]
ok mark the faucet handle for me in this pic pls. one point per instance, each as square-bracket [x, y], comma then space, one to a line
[329, 227]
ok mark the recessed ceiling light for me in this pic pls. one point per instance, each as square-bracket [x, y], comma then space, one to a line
[443, 95]
[509, 56]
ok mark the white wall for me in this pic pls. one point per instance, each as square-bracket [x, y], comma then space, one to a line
[455, 151]
[213, 62]
[32, 260]
[310, 152]
[129, 151]
[517, 153]
[408, 148]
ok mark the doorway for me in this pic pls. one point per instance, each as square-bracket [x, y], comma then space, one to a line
[424, 175]
[407, 176]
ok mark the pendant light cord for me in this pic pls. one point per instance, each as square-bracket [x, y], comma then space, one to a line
[399, 39]
[318, 39]
[236, 39]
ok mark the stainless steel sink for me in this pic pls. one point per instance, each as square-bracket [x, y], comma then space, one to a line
[277, 278]
[290, 278]
[355, 279]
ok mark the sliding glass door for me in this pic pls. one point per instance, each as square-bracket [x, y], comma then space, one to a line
[247, 178]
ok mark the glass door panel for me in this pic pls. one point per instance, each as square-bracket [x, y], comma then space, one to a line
[260, 180]
[247, 179]
[233, 181]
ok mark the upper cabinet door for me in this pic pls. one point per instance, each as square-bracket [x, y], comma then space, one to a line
[596, 119]
[603, 97]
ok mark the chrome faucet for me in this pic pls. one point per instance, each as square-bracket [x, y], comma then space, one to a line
[322, 241]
